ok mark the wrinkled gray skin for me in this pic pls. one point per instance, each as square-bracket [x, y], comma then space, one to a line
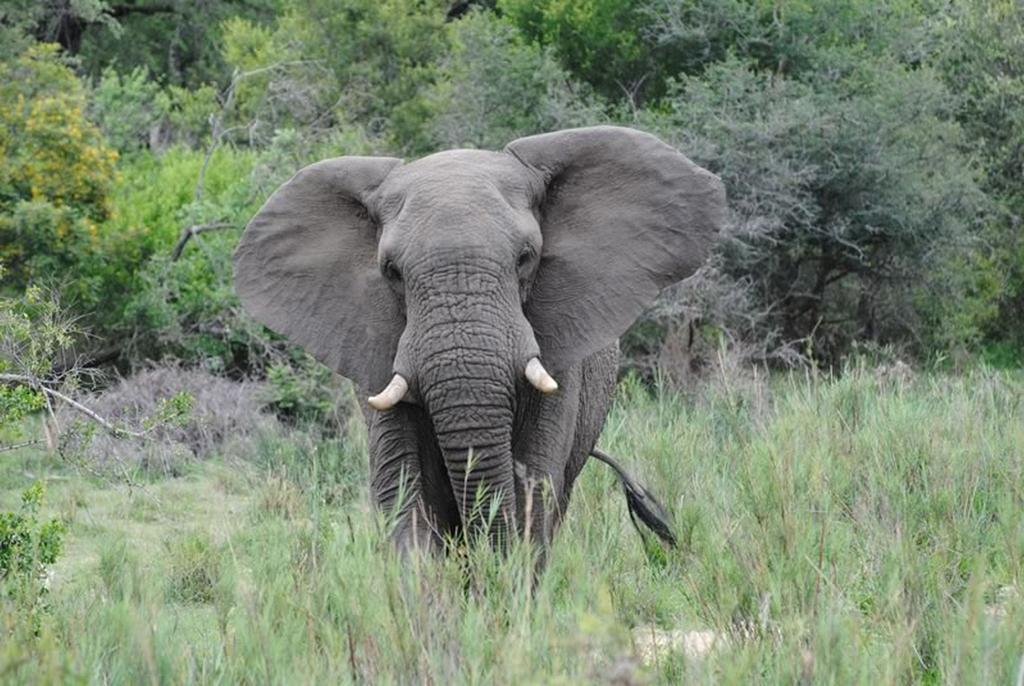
[455, 270]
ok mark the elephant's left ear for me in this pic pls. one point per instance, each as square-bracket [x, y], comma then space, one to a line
[622, 215]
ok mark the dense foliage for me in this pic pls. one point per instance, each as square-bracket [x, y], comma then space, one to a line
[872, 152]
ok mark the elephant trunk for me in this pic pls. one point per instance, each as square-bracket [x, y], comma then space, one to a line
[470, 400]
[464, 352]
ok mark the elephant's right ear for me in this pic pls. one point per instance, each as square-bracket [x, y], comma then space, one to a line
[307, 268]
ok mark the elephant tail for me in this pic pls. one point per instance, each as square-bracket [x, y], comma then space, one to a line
[641, 502]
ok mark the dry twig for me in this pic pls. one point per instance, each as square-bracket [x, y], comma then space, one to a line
[217, 135]
[116, 431]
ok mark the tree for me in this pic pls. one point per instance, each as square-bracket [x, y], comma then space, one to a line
[56, 170]
[382, 55]
[979, 51]
[493, 87]
[844, 197]
[598, 41]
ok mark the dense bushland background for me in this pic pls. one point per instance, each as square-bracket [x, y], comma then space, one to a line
[872, 151]
[830, 407]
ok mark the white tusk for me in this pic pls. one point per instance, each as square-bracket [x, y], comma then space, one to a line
[539, 377]
[390, 396]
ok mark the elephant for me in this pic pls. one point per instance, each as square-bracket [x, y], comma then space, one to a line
[475, 298]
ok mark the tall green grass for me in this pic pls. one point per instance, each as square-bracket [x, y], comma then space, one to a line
[866, 529]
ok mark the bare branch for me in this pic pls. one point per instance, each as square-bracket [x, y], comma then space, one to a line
[116, 431]
[217, 130]
[217, 135]
[15, 446]
[118, 11]
[193, 230]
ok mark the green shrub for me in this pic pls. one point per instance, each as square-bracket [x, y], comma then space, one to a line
[980, 54]
[34, 331]
[135, 112]
[127, 107]
[28, 547]
[304, 391]
[494, 86]
[182, 307]
[1003, 355]
[187, 308]
[363, 62]
[601, 41]
[56, 170]
[843, 207]
[17, 402]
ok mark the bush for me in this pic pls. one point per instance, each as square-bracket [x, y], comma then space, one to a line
[222, 415]
[305, 392]
[494, 87]
[135, 113]
[980, 55]
[28, 547]
[187, 309]
[272, 86]
[843, 198]
[56, 170]
[327, 63]
[128, 108]
[150, 299]
[35, 334]
[600, 41]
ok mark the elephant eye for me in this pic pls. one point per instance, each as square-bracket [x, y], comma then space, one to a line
[390, 271]
[524, 257]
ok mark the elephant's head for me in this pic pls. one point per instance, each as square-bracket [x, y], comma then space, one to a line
[450, 280]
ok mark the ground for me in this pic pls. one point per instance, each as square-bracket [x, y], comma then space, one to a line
[865, 529]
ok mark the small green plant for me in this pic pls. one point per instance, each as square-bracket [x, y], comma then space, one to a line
[16, 402]
[28, 547]
[173, 411]
[36, 330]
[302, 392]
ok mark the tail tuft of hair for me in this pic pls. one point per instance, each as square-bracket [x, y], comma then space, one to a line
[643, 506]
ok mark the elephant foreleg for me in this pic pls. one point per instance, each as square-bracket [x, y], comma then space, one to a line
[407, 478]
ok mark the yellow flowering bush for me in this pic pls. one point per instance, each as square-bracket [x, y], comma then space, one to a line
[56, 171]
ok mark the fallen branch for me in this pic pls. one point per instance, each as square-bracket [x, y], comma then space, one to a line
[85, 364]
[114, 430]
[15, 446]
[194, 230]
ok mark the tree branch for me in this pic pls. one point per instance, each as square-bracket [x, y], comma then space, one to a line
[217, 135]
[116, 431]
[194, 230]
[15, 446]
[123, 10]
